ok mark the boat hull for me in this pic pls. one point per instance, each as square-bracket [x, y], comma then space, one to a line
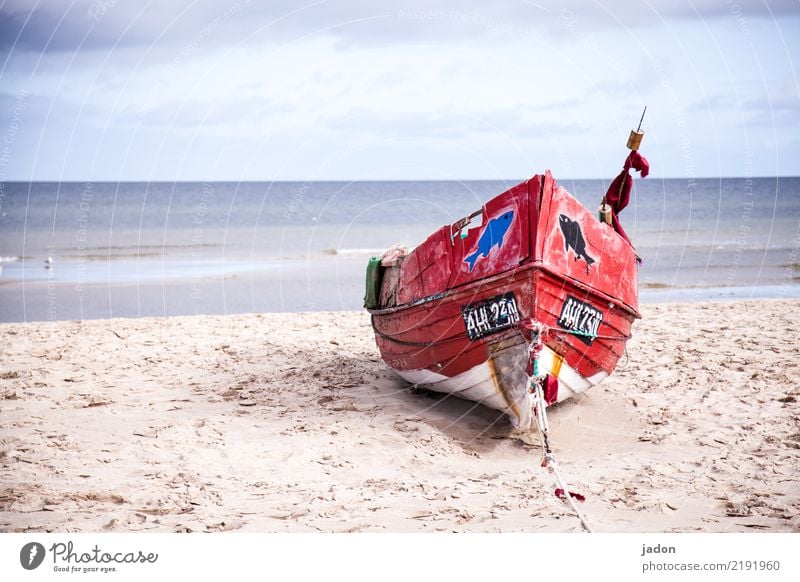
[547, 260]
[493, 370]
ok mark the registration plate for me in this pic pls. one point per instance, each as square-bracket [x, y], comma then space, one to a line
[490, 315]
[582, 319]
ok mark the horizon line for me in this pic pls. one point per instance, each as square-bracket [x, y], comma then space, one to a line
[354, 180]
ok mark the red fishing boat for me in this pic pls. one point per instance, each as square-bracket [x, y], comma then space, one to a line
[455, 314]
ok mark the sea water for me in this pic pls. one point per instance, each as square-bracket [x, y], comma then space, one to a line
[90, 250]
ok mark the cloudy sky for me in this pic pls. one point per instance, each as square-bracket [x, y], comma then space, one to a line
[346, 89]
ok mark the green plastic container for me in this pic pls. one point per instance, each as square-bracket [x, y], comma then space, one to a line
[374, 279]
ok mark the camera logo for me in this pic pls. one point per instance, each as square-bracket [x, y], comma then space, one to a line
[31, 555]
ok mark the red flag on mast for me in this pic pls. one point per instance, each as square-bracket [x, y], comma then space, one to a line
[619, 193]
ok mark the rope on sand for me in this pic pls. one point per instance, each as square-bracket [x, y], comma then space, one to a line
[539, 405]
[549, 460]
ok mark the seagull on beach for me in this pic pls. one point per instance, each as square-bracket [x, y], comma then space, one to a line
[48, 262]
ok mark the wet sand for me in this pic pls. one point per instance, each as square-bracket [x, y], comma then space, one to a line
[291, 422]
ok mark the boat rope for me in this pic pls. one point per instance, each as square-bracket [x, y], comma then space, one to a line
[539, 406]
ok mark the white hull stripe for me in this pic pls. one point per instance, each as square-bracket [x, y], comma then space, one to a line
[480, 385]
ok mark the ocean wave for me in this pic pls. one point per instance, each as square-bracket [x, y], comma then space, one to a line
[10, 259]
[112, 256]
[161, 246]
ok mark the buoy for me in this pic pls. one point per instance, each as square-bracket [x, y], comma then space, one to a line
[604, 212]
[635, 139]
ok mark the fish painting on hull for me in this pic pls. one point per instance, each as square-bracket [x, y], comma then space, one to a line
[573, 239]
[492, 236]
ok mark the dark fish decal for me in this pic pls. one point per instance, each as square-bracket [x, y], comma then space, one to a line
[492, 236]
[573, 239]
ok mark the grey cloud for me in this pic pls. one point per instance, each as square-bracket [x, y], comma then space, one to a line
[778, 107]
[61, 25]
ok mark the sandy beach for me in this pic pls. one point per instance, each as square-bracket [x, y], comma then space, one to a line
[291, 422]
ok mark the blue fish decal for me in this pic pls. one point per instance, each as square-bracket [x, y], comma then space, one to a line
[491, 237]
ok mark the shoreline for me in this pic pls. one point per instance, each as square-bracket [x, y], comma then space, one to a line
[291, 422]
[160, 289]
